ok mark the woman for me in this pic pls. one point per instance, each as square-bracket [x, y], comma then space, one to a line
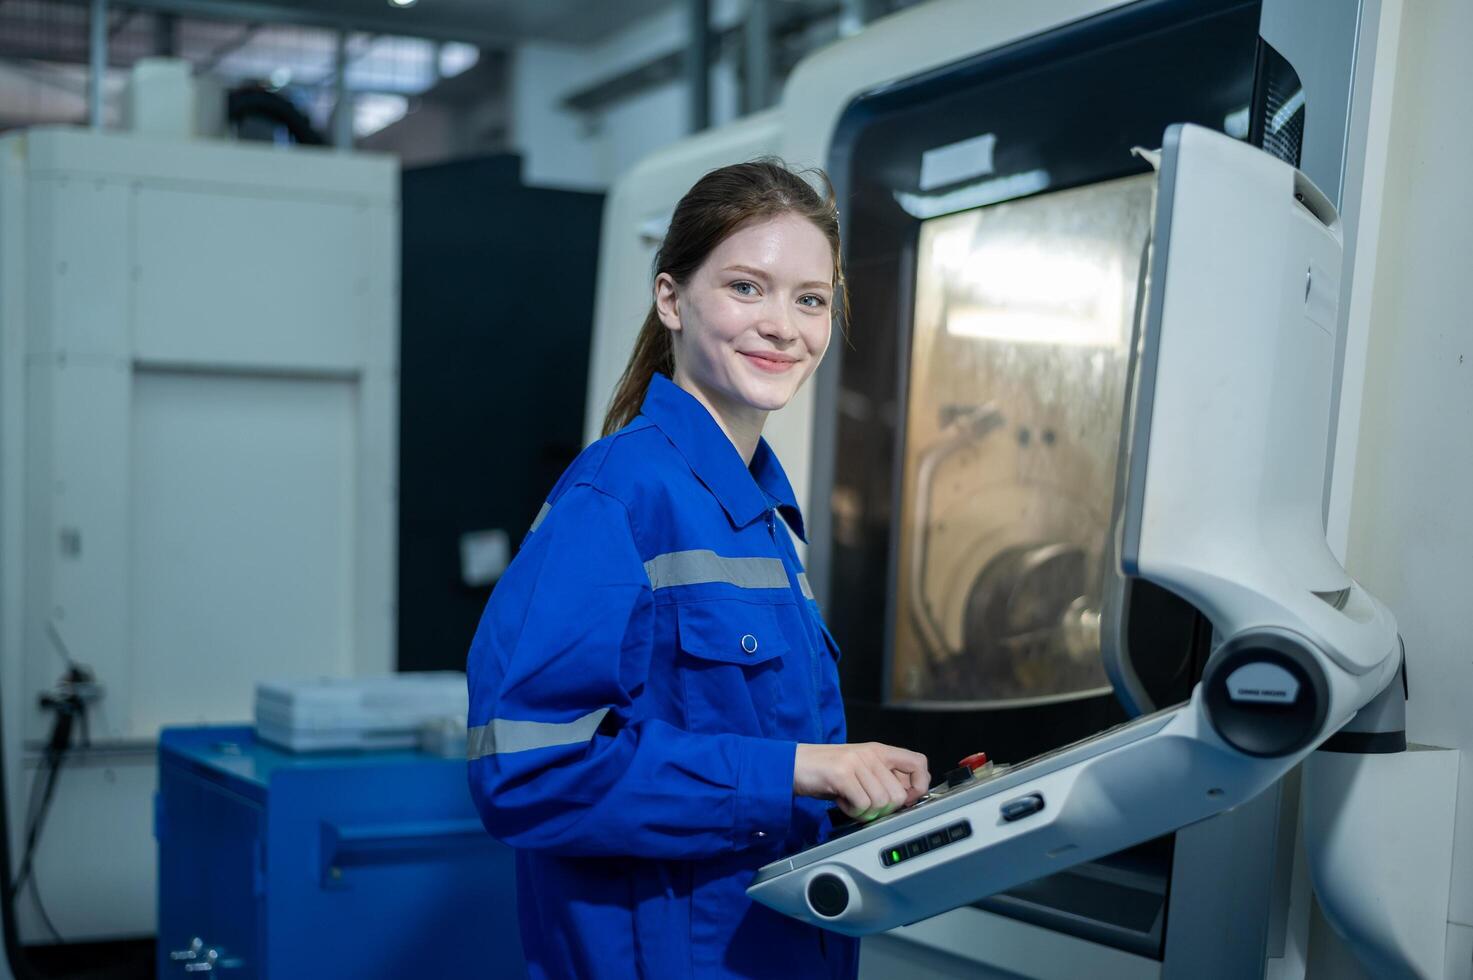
[655, 707]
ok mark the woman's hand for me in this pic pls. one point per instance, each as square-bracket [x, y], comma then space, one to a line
[867, 780]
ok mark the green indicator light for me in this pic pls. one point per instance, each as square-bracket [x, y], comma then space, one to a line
[895, 855]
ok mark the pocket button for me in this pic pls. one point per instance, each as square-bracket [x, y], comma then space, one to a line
[749, 643]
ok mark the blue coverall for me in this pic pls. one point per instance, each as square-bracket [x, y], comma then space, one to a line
[638, 684]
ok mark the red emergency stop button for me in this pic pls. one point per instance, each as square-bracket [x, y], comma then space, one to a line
[975, 761]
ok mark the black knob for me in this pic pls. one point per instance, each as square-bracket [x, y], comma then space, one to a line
[1261, 722]
[828, 895]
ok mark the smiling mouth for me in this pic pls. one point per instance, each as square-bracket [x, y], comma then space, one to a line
[772, 365]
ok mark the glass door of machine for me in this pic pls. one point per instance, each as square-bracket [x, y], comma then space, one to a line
[995, 222]
[1019, 351]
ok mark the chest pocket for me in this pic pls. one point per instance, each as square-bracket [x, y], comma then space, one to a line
[732, 656]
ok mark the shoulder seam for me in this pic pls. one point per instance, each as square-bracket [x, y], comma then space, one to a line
[628, 519]
[634, 535]
[608, 448]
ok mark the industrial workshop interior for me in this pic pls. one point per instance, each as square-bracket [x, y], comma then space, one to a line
[911, 489]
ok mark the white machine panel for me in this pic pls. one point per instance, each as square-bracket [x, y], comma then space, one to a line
[210, 422]
[198, 441]
[288, 286]
[197, 457]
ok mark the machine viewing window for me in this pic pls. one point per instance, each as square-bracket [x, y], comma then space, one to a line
[1017, 374]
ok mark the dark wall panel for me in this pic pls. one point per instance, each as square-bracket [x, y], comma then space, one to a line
[497, 299]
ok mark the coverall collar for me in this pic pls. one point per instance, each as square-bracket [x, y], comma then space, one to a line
[742, 492]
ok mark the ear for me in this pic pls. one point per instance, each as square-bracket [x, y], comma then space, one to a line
[667, 301]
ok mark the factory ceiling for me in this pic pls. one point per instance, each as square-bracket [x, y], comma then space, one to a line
[563, 21]
[394, 53]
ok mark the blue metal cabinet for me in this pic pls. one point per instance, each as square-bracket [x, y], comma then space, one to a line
[274, 865]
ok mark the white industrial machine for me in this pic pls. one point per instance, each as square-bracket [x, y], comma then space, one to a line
[1226, 456]
[198, 428]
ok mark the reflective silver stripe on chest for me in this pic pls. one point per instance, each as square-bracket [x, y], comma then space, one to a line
[502, 735]
[702, 566]
[541, 516]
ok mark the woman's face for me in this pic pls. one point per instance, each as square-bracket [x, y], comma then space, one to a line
[754, 320]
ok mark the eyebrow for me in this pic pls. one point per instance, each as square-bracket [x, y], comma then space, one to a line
[758, 273]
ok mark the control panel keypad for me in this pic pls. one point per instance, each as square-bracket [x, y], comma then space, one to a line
[892, 856]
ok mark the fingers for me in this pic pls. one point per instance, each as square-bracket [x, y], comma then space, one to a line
[887, 792]
[867, 781]
[865, 789]
[917, 784]
[913, 791]
[904, 760]
[910, 768]
[851, 796]
[875, 789]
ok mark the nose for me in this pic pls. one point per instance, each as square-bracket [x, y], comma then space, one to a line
[778, 327]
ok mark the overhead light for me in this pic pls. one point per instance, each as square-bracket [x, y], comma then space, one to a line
[372, 111]
[1035, 293]
[1027, 327]
[964, 198]
[280, 77]
[456, 58]
[402, 3]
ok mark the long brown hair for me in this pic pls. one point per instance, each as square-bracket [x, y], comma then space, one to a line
[718, 204]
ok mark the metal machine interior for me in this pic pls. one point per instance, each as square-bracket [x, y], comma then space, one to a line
[1017, 377]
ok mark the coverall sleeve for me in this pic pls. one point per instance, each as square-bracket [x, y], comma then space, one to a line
[559, 758]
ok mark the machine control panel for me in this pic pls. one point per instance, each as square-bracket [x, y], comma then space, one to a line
[892, 856]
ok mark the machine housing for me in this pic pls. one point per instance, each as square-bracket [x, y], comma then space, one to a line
[1221, 506]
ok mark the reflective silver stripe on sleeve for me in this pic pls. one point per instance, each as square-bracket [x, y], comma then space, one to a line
[541, 516]
[698, 567]
[503, 735]
[803, 584]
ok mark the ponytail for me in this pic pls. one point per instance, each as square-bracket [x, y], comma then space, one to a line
[652, 353]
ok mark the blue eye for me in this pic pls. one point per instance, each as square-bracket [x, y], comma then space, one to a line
[744, 288]
[817, 300]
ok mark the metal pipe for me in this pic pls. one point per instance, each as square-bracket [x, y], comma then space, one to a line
[98, 67]
[342, 111]
[757, 52]
[698, 63]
